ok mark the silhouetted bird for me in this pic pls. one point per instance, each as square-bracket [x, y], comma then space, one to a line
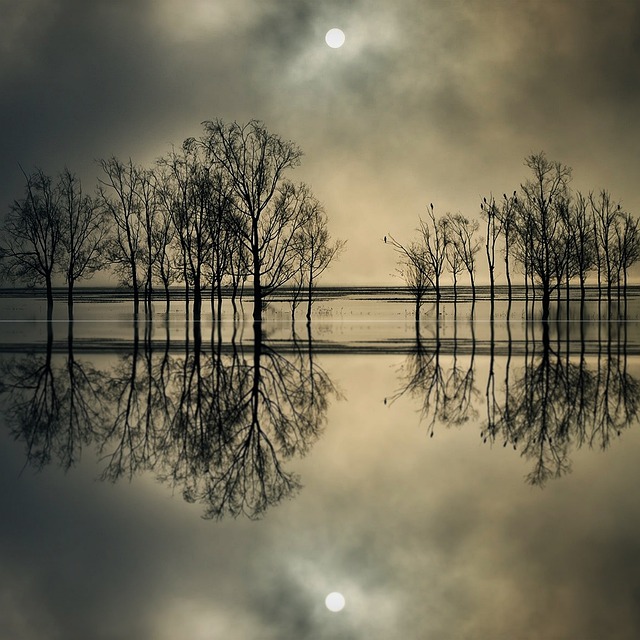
[385, 239]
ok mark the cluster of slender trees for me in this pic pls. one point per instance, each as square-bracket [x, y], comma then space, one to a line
[217, 212]
[553, 236]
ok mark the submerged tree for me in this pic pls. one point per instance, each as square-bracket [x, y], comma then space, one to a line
[462, 241]
[582, 240]
[255, 162]
[540, 223]
[315, 251]
[422, 262]
[31, 235]
[490, 212]
[188, 196]
[415, 270]
[84, 229]
[119, 195]
[507, 217]
[627, 233]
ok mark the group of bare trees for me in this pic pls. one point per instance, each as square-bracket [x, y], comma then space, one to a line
[53, 229]
[555, 237]
[444, 243]
[217, 212]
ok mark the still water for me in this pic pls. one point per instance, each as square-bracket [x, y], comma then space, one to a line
[466, 480]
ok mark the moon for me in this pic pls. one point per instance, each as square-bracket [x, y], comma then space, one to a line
[335, 38]
[335, 601]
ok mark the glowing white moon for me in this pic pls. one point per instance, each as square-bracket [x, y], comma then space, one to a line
[335, 602]
[335, 38]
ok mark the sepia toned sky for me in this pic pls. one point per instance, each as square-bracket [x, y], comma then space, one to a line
[427, 101]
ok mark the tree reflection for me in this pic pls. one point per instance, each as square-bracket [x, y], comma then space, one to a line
[445, 394]
[237, 419]
[54, 408]
[561, 398]
[558, 403]
[218, 424]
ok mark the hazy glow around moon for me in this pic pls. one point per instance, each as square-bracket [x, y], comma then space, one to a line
[335, 38]
[335, 602]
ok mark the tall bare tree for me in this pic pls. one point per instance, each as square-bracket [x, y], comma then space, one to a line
[188, 196]
[540, 210]
[315, 249]
[415, 269]
[489, 211]
[433, 232]
[462, 232]
[581, 239]
[255, 162]
[507, 217]
[84, 230]
[627, 231]
[604, 211]
[31, 233]
[149, 214]
[118, 193]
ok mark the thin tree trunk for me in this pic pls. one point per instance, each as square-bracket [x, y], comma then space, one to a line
[70, 299]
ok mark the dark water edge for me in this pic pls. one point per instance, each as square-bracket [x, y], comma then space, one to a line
[322, 292]
[345, 320]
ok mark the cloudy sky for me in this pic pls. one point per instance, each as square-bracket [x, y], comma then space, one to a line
[427, 101]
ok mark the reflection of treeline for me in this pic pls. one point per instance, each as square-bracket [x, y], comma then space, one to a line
[557, 400]
[555, 237]
[218, 212]
[216, 425]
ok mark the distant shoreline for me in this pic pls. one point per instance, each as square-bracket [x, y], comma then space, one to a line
[464, 292]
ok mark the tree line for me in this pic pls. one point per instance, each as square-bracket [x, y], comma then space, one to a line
[218, 212]
[554, 237]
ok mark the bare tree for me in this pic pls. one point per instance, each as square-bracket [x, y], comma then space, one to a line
[507, 217]
[490, 213]
[604, 212]
[188, 196]
[223, 231]
[149, 215]
[415, 270]
[434, 239]
[118, 193]
[255, 162]
[166, 267]
[84, 230]
[453, 255]
[627, 231]
[315, 249]
[31, 234]
[582, 242]
[462, 233]
[541, 222]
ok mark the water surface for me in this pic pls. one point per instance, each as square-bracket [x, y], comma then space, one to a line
[462, 479]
